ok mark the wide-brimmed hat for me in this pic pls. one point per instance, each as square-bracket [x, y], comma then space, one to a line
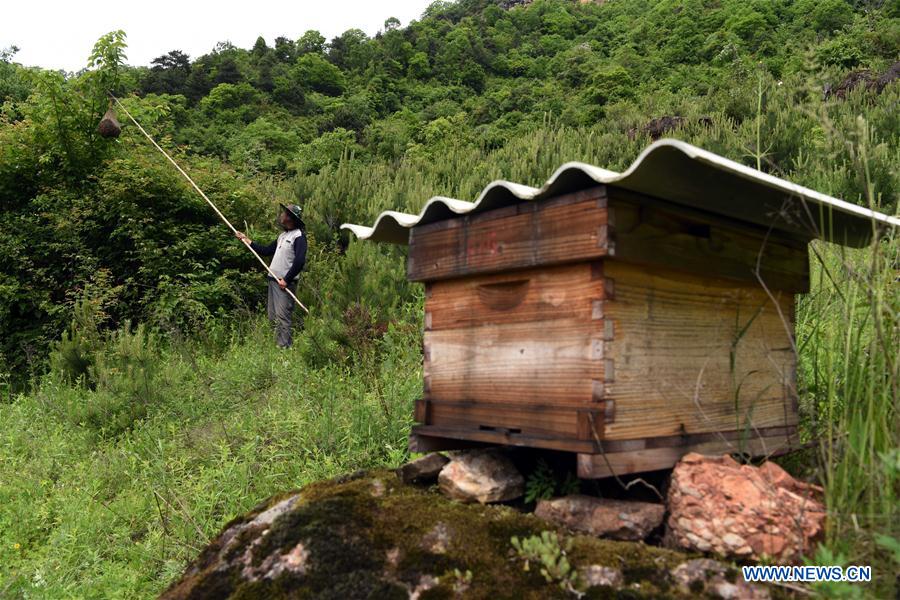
[295, 211]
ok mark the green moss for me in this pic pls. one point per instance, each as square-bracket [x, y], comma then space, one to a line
[646, 566]
[641, 572]
[368, 535]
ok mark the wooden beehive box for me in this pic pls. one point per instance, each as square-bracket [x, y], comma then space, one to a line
[626, 318]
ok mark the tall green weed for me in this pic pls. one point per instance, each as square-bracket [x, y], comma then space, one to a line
[92, 509]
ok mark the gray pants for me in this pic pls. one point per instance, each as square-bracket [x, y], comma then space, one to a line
[280, 306]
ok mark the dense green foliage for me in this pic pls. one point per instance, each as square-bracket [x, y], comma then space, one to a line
[467, 78]
[151, 413]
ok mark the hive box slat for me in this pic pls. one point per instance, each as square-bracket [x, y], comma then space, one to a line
[427, 438]
[559, 230]
[646, 231]
[695, 354]
[522, 296]
[542, 420]
[772, 440]
[552, 361]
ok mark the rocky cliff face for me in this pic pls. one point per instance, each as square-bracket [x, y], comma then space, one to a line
[371, 536]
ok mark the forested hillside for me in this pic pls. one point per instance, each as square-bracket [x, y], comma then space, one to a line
[142, 405]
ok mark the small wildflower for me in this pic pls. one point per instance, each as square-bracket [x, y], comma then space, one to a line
[17, 545]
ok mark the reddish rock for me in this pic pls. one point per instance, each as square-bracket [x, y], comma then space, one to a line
[717, 505]
[423, 469]
[481, 476]
[616, 519]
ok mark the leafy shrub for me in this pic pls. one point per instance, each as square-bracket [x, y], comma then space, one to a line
[236, 101]
[747, 24]
[390, 137]
[543, 483]
[365, 292]
[14, 86]
[843, 51]
[317, 74]
[116, 372]
[327, 149]
[74, 354]
[609, 85]
[419, 66]
[124, 373]
[263, 146]
[825, 15]
[540, 484]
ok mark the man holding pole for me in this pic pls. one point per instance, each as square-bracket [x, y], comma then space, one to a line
[289, 257]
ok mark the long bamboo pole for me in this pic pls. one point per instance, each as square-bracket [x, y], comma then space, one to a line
[208, 201]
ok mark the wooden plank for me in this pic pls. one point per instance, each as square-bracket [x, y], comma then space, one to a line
[534, 420]
[596, 466]
[551, 362]
[730, 441]
[542, 294]
[679, 362]
[463, 438]
[648, 231]
[565, 229]
[530, 421]
[696, 438]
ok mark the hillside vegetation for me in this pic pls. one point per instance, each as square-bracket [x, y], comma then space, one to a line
[142, 403]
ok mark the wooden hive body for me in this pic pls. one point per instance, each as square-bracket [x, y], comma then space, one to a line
[620, 327]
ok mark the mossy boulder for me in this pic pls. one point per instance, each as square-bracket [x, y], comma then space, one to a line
[369, 535]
